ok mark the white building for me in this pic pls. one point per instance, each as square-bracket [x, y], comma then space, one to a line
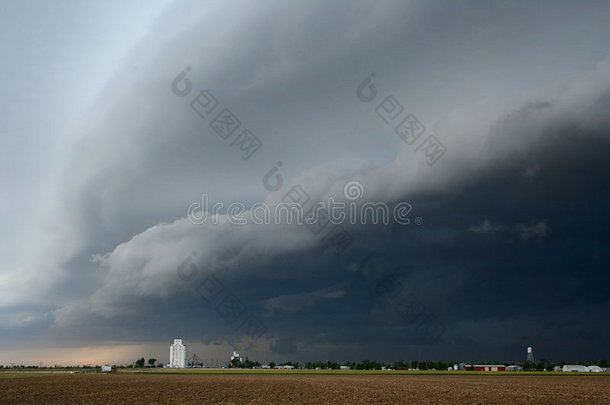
[574, 368]
[235, 356]
[177, 354]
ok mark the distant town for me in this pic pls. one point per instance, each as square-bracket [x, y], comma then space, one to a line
[180, 359]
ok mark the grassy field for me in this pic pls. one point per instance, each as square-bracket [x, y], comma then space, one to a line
[34, 373]
[27, 375]
[360, 372]
[223, 371]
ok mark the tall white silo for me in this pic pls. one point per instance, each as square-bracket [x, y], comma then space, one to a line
[177, 354]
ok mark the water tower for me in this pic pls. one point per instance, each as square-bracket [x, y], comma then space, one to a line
[530, 355]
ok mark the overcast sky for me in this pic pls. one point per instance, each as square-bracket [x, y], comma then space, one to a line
[102, 154]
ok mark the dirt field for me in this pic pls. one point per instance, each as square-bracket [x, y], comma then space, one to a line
[303, 389]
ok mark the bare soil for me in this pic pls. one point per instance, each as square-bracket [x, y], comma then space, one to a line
[303, 389]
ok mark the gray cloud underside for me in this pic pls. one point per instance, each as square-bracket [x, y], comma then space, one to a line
[502, 246]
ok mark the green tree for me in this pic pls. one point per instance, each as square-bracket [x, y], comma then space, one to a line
[140, 362]
[151, 362]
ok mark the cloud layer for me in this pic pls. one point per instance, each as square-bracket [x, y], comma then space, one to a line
[511, 249]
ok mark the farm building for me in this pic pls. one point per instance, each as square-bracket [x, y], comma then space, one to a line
[582, 369]
[572, 368]
[485, 367]
[236, 356]
[514, 368]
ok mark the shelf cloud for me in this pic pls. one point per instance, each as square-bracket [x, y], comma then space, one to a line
[491, 121]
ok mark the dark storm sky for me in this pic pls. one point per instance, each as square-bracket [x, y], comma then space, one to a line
[512, 251]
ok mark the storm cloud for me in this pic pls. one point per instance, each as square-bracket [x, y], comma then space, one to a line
[505, 247]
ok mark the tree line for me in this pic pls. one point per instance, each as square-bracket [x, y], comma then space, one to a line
[540, 365]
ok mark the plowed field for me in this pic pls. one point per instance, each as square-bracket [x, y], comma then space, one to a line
[303, 389]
